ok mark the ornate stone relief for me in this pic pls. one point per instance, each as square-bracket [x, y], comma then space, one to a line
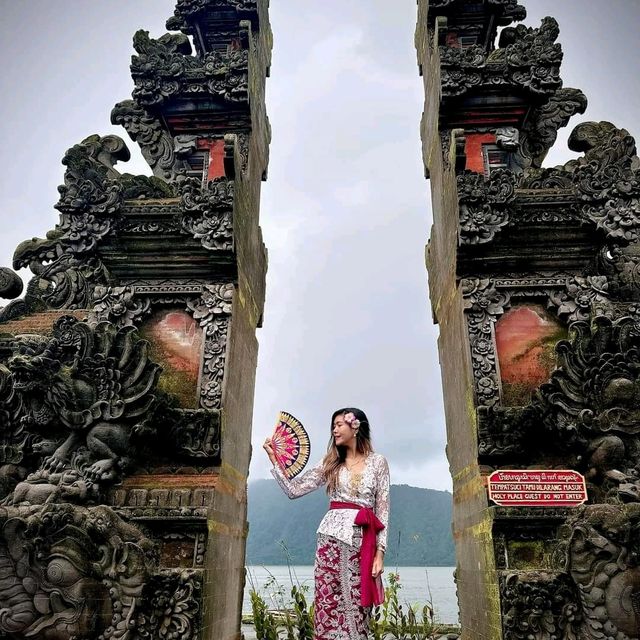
[592, 401]
[187, 10]
[539, 606]
[10, 283]
[483, 304]
[79, 404]
[66, 263]
[119, 305]
[71, 572]
[508, 10]
[171, 609]
[622, 267]
[605, 179]
[484, 204]
[213, 311]
[485, 300]
[527, 58]
[207, 214]
[595, 595]
[541, 130]
[164, 68]
[162, 152]
[589, 410]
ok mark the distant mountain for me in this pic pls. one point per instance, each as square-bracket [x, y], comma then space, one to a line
[419, 528]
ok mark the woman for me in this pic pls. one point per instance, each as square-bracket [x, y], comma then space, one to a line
[352, 536]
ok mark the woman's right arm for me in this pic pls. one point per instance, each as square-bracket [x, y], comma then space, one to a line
[306, 483]
[295, 487]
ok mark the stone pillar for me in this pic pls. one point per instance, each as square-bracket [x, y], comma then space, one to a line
[533, 283]
[127, 370]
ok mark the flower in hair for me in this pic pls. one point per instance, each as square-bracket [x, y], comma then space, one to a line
[351, 420]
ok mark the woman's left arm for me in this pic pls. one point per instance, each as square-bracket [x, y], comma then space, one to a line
[381, 507]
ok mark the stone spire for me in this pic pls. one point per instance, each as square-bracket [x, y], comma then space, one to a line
[127, 369]
[533, 276]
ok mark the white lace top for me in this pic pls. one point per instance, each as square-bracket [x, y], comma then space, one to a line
[368, 488]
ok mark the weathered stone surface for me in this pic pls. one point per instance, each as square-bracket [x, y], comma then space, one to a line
[127, 370]
[533, 276]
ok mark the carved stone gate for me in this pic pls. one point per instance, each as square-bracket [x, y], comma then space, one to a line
[535, 283]
[127, 369]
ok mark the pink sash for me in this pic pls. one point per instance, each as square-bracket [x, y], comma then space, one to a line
[371, 590]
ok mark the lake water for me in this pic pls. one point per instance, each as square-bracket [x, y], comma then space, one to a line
[416, 583]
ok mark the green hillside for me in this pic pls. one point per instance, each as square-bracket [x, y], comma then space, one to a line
[419, 528]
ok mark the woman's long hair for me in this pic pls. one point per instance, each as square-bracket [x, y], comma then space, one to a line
[336, 454]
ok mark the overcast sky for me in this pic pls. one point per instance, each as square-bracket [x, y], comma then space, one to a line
[346, 210]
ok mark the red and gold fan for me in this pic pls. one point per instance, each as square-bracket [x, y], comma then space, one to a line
[291, 444]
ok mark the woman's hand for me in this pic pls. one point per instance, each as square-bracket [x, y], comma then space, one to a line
[378, 564]
[269, 449]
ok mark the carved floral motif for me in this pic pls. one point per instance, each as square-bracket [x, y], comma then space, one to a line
[576, 301]
[207, 214]
[164, 68]
[119, 305]
[483, 304]
[171, 609]
[212, 310]
[484, 204]
[527, 58]
[539, 606]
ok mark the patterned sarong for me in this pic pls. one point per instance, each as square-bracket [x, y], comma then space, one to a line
[338, 614]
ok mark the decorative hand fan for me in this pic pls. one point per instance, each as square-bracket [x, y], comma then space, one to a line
[291, 444]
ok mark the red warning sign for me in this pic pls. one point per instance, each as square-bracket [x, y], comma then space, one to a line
[527, 488]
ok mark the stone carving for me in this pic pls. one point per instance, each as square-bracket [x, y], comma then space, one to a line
[504, 432]
[485, 300]
[164, 68]
[577, 299]
[608, 166]
[171, 609]
[622, 267]
[541, 129]
[157, 146]
[607, 178]
[212, 311]
[70, 572]
[87, 187]
[483, 304]
[216, 301]
[508, 138]
[195, 434]
[484, 204]
[532, 56]
[596, 594]
[85, 396]
[119, 305]
[592, 402]
[207, 214]
[187, 11]
[527, 58]
[602, 560]
[10, 283]
[539, 606]
[65, 263]
[507, 10]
